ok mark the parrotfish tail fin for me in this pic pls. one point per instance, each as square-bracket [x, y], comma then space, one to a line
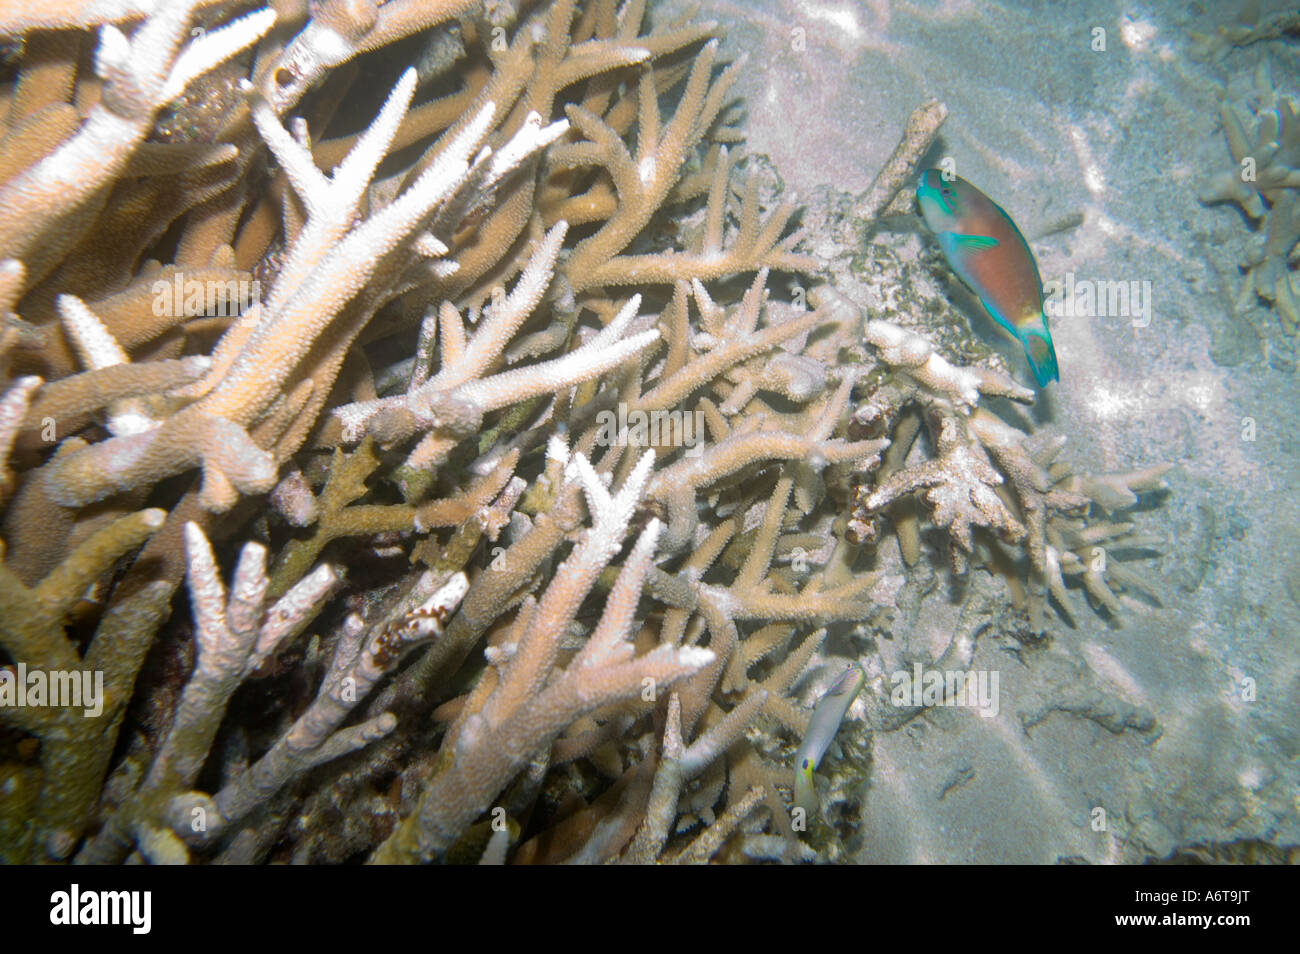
[1042, 356]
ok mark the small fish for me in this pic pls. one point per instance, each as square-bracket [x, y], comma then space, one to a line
[825, 722]
[987, 251]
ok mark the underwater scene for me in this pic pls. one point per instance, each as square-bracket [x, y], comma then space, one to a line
[732, 432]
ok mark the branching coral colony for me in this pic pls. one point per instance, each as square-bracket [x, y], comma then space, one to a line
[465, 618]
[1262, 128]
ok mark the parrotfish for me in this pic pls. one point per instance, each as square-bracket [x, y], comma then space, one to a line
[988, 253]
[825, 722]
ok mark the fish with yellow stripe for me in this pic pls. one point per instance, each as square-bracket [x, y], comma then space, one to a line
[822, 726]
[988, 253]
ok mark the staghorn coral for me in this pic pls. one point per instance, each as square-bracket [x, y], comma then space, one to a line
[469, 618]
[1263, 135]
[982, 472]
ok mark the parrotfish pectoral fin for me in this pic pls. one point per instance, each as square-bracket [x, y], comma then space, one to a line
[973, 243]
[1041, 354]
